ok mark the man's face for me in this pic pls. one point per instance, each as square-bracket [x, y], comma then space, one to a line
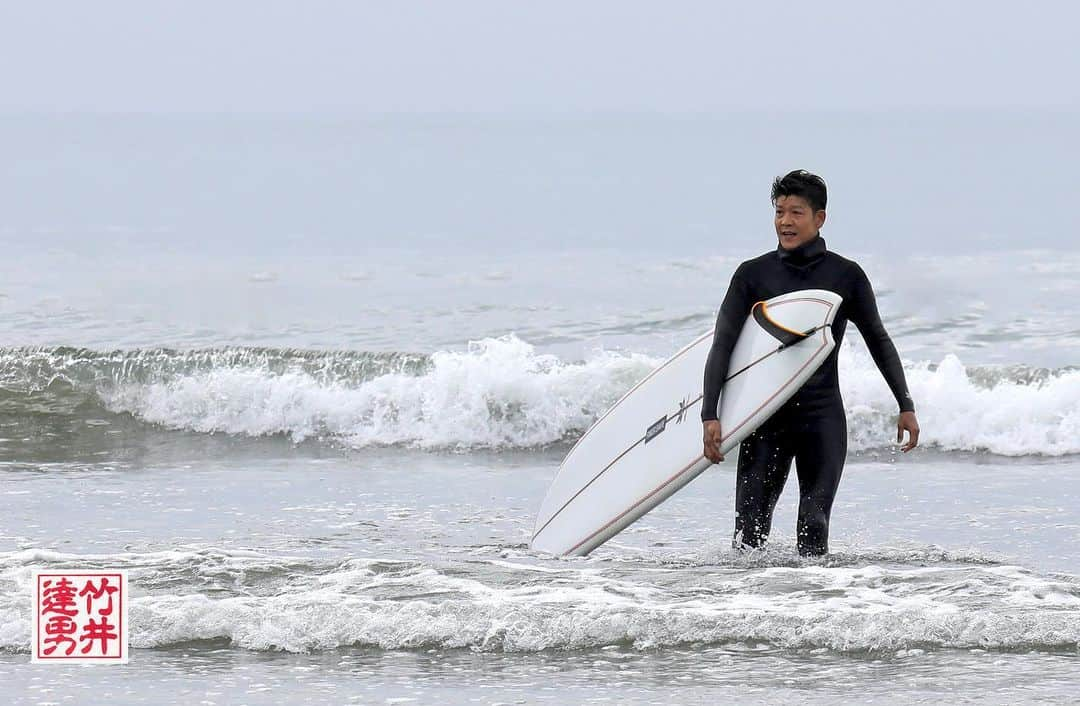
[796, 221]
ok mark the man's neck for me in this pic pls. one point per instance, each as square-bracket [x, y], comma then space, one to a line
[810, 250]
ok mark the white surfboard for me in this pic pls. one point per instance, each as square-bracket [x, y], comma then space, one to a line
[648, 445]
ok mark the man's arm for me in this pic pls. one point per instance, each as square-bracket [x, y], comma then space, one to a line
[729, 322]
[864, 314]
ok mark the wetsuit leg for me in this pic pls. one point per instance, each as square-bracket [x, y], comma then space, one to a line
[764, 462]
[821, 446]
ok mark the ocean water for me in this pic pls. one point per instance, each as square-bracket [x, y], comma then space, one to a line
[308, 382]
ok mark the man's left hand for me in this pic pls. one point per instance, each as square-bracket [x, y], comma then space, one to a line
[907, 422]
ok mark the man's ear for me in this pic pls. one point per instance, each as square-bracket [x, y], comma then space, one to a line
[819, 218]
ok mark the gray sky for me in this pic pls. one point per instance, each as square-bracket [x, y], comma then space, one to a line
[572, 57]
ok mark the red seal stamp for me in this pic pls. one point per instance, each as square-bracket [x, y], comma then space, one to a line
[80, 616]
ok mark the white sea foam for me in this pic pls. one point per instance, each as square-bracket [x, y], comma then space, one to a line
[859, 608]
[498, 393]
[501, 392]
[958, 412]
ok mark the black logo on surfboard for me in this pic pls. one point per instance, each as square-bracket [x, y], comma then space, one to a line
[660, 424]
[655, 428]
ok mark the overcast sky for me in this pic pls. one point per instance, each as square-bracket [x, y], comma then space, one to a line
[517, 57]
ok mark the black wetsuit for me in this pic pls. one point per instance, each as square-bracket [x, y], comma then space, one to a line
[811, 427]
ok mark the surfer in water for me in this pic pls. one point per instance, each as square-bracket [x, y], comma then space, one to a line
[811, 427]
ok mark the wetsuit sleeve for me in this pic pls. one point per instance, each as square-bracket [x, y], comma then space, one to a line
[864, 313]
[729, 323]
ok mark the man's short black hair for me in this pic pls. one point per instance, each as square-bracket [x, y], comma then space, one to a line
[801, 183]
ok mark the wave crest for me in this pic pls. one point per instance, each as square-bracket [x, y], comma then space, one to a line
[497, 393]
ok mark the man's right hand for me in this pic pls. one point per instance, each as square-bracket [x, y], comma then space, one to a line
[712, 440]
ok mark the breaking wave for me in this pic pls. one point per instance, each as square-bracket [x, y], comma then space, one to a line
[262, 602]
[497, 393]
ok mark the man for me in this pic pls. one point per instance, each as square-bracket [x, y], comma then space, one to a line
[811, 427]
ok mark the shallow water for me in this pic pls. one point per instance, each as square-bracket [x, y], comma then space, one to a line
[395, 574]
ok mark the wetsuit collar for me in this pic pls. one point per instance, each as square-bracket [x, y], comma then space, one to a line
[804, 254]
